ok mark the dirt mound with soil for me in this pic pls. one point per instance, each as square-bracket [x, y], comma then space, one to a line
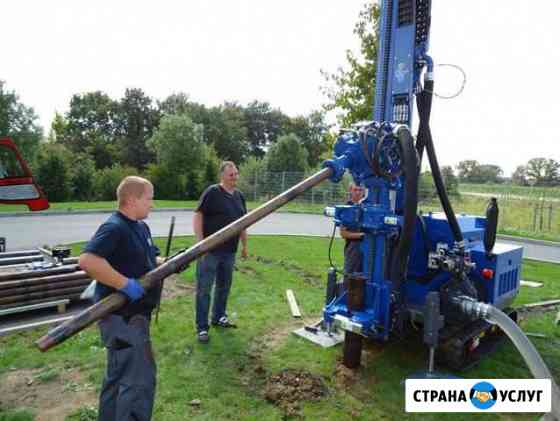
[289, 388]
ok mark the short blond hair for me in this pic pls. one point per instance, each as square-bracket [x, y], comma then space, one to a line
[131, 186]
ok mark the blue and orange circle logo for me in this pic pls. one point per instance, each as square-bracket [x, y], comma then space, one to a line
[483, 395]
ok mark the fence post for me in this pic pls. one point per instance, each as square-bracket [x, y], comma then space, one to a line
[541, 222]
[283, 181]
[535, 208]
[255, 186]
[550, 217]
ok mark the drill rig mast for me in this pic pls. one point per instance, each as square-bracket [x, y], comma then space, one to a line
[414, 267]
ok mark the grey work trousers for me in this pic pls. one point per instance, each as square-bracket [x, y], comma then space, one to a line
[129, 386]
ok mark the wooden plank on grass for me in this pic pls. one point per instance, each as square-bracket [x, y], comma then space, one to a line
[60, 304]
[530, 284]
[543, 304]
[17, 328]
[292, 302]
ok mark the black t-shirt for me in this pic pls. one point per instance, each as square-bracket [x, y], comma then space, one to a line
[220, 208]
[127, 245]
[352, 253]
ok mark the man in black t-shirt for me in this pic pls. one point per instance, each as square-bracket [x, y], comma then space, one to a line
[220, 205]
[352, 254]
[120, 252]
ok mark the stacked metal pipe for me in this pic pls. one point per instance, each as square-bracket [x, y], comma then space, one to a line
[24, 286]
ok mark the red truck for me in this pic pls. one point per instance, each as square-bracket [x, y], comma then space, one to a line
[17, 185]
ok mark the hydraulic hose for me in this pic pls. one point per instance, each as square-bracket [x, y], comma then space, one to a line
[534, 361]
[424, 102]
[400, 258]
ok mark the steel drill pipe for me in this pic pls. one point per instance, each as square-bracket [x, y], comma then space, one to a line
[152, 279]
[20, 253]
[27, 289]
[9, 261]
[71, 297]
[43, 294]
[42, 280]
[12, 276]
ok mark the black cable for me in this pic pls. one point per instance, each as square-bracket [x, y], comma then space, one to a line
[330, 249]
[425, 140]
[399, 262]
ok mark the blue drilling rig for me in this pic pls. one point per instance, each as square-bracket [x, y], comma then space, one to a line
[416, 269]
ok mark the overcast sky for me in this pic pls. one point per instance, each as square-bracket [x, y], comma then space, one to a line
[218, 50]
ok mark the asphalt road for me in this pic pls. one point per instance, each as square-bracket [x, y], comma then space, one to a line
[33, 230]
[23, 232]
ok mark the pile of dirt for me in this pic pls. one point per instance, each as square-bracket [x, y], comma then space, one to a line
[289, 388]
[345, 377]
[60, 394]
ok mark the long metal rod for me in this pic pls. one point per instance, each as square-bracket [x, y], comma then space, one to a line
[115, 301]
[11, 276]
[28, 289]
[19, 253]
[167, 251]
[44, 294]
[42, 280]
[71, 297]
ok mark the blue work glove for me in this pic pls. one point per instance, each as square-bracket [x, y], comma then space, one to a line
[133, 290]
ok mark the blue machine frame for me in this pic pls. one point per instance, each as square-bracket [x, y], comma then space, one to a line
[403, 59]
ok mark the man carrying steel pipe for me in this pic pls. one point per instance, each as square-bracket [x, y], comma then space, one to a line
[220, 205]
[120, 252]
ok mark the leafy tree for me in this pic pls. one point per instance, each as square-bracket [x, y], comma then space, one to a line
[104, 152]
[287, 154]
[519, 176]
[226, 132]
[82, 176]
[177, 103]
[211, 169]
[193, 184]
[107, 180]
[264, 125]
[181, 153]
[53, 173]
[251, 174]
[167, 183]
[487, 173]
[92, 116]
[426, 188]
[178, 144]
[58, 129]
[352, 90]
[450, 180]
[467, 169]
[20, 123]
[312, 131]
[543, 171]
[138, 119]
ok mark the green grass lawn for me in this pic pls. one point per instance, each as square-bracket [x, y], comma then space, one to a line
[509, 189]
[228, 376]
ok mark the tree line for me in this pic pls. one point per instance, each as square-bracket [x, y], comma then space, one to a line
[176, 142]
[536, 172]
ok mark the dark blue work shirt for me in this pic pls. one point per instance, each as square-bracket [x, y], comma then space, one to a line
[127, 245]
[219, 209]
